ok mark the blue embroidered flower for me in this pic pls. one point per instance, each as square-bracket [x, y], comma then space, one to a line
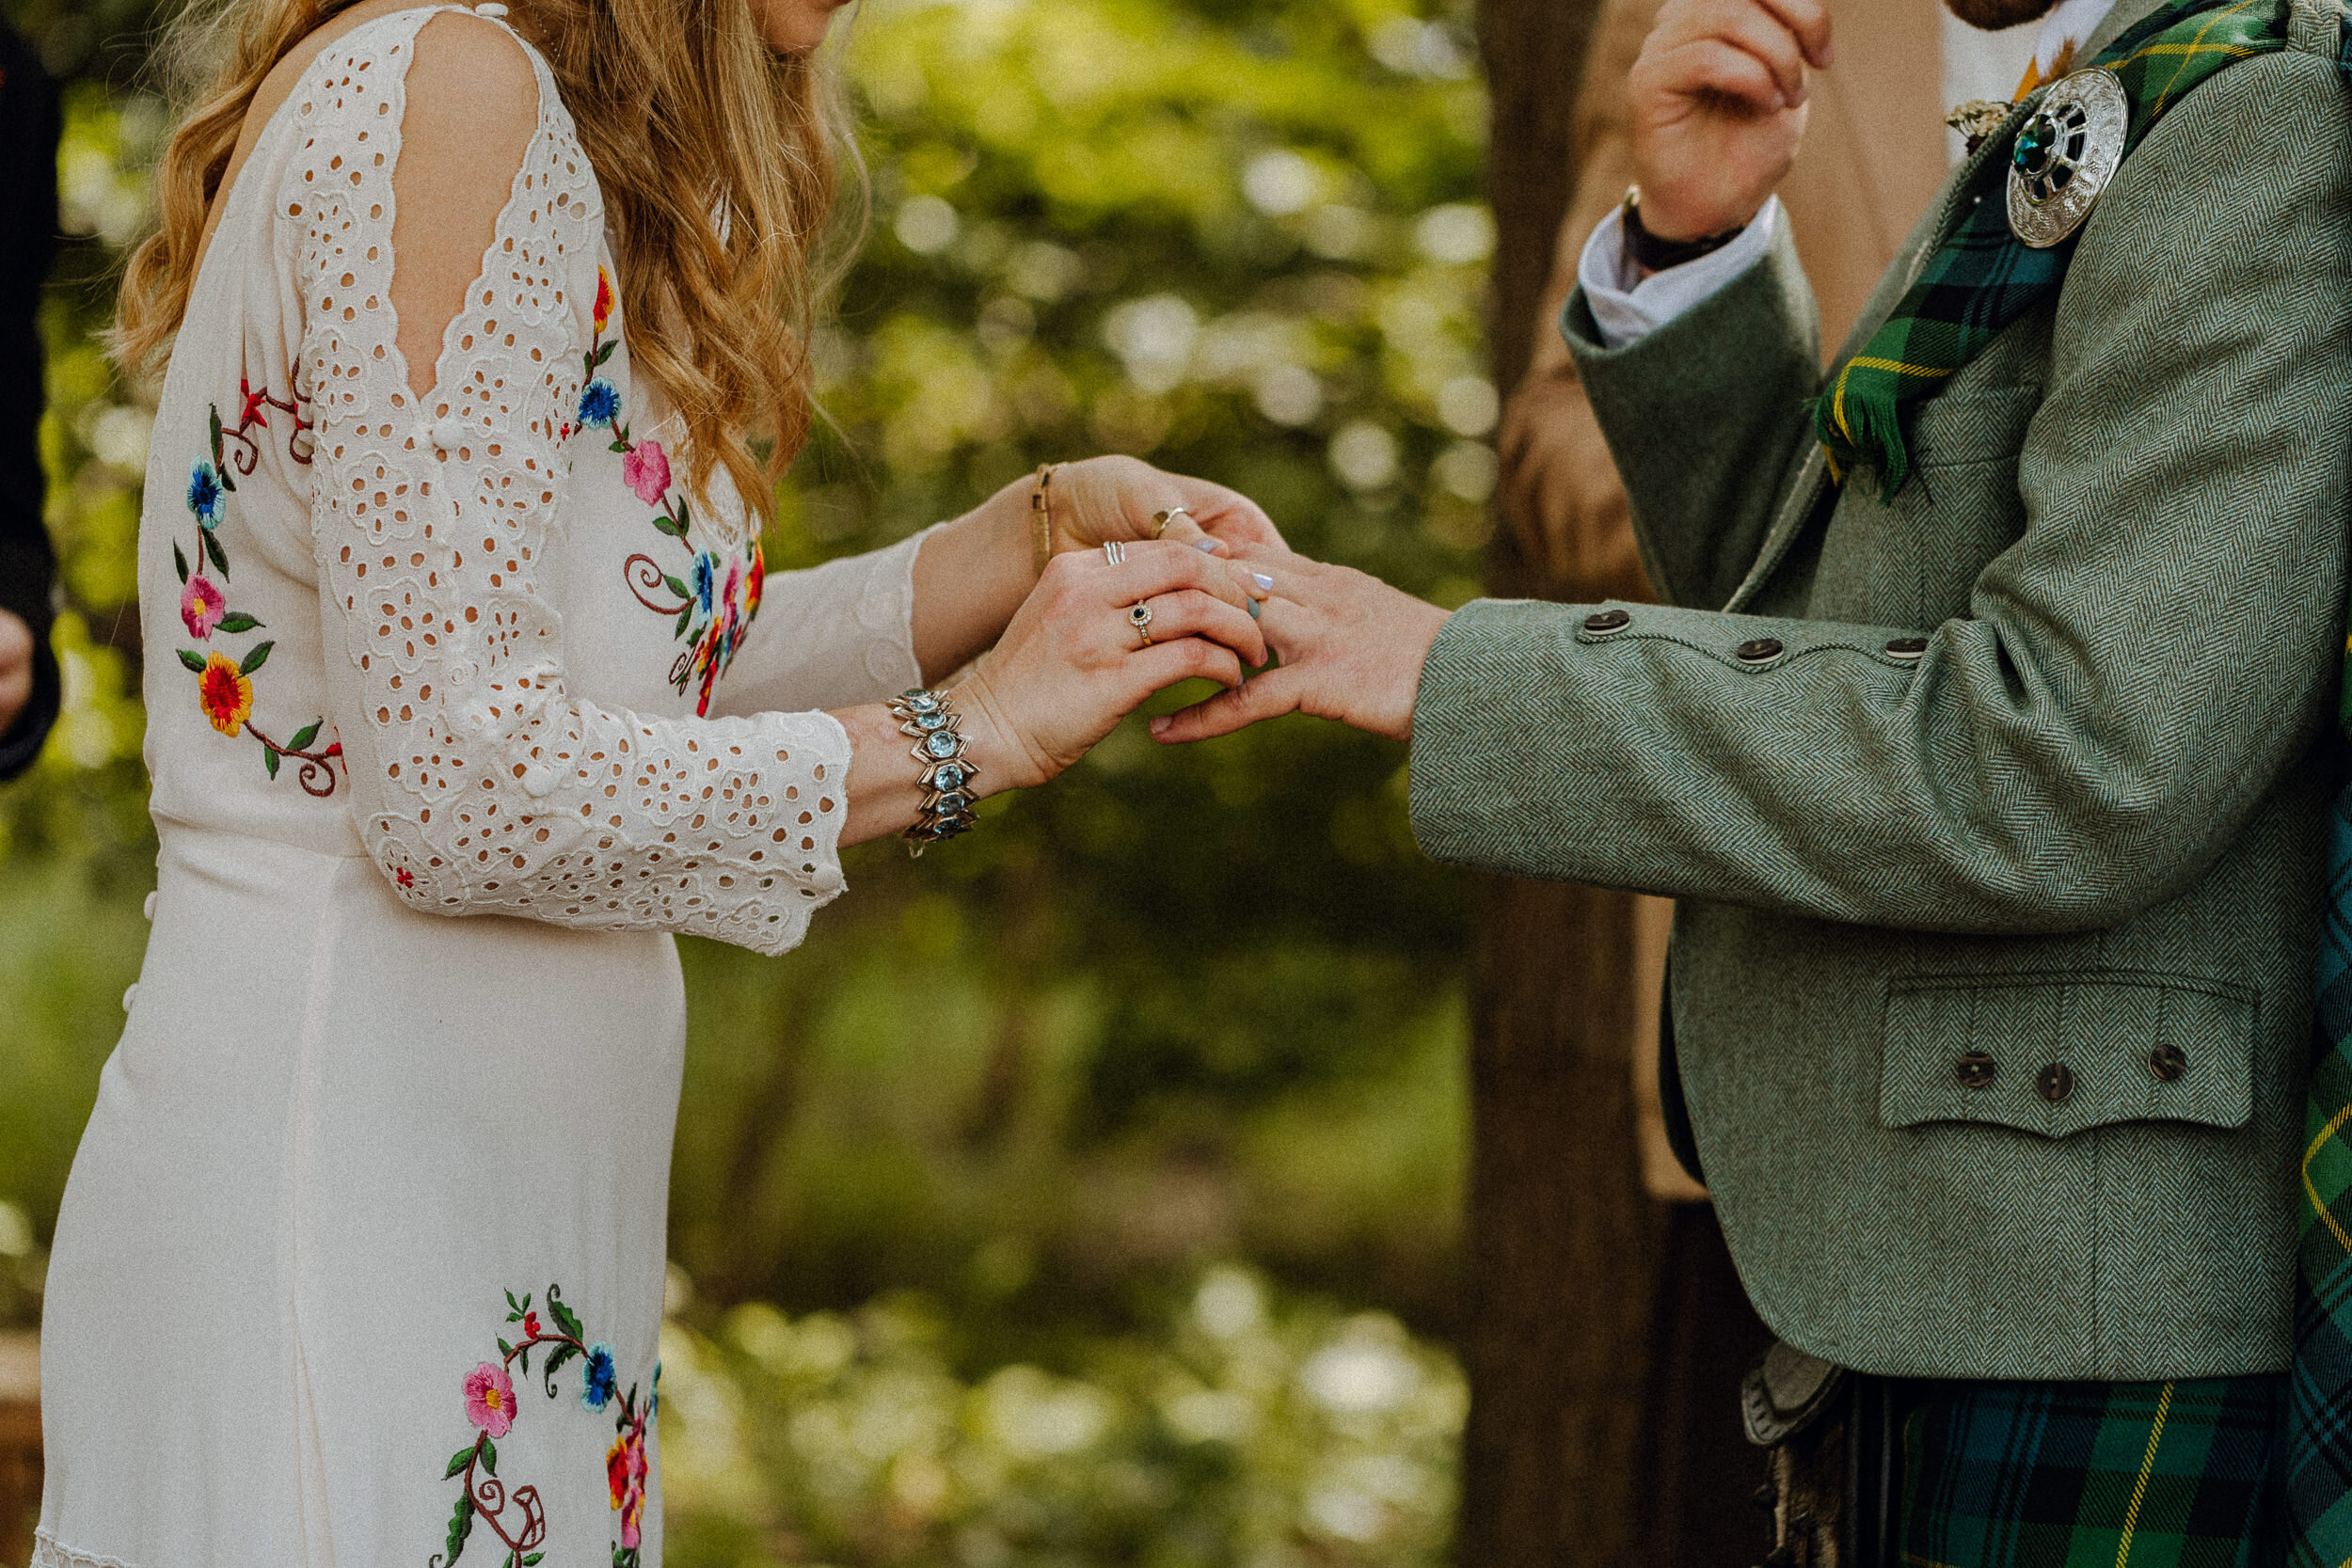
[204, 494]
[600, 402]
[597, 1384]
[706, 580]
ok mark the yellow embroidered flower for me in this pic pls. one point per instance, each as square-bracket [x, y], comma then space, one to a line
[225, 693]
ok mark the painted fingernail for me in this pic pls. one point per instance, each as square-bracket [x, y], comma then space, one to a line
[1206, 546]
[1265, 583]
[1255, 612]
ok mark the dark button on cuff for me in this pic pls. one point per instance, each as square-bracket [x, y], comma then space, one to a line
[2055, 1082]
[1907, 648]
[2168, 1062]
[1606, 623]
[1974, 1071]
[1763, 650]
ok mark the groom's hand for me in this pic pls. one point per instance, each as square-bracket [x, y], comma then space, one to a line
[1351, 648]
[1718, 97]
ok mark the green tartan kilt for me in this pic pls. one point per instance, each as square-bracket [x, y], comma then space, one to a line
[2072, 1475]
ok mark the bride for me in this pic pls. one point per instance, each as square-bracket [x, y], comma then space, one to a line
[484, 341]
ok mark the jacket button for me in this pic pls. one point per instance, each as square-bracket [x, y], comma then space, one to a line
[2055, 1082]
[2168, 1062]
[1763, 650]
[1606, 623]
[1907, 648]
[1975, 1070]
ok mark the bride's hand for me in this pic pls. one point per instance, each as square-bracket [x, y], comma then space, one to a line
[1113, 497]
[1074, 663]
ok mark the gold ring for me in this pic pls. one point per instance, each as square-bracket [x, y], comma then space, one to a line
[1139, 617]
[1161, 519]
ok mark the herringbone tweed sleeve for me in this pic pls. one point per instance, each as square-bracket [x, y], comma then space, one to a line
[2133, 674]
[1735, 367]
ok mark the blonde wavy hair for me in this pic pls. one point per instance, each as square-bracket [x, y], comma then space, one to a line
[717, 157]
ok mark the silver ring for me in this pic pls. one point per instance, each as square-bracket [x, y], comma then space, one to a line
[1114, 552]
[1139, 617]
[1161, 519]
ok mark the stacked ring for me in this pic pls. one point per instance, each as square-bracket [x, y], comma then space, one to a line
[1139, 617]
[1114, 551]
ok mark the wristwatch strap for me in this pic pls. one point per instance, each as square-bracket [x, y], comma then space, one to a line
[1652, 254]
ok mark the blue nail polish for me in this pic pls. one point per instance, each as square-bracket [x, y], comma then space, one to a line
[1254, 610]
[1265, 583]
[1206, 546]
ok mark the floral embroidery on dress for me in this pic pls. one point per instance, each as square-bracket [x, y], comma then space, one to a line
[717, 598]
[224, 683]
[518, 1518]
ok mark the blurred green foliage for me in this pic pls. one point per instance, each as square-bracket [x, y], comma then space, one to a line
[1181, 1006]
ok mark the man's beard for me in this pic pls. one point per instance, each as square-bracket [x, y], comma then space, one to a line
[1993, 15]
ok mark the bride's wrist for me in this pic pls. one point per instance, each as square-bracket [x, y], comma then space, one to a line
[1002, 760]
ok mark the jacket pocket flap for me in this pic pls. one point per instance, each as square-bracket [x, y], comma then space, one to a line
[2054, 1053]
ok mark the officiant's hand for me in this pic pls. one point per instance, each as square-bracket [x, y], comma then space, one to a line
[1718, 97]
[1113, 497]
[1351, 648]
[1073, 662]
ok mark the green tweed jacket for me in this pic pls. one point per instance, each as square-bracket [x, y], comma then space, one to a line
[1995, 810]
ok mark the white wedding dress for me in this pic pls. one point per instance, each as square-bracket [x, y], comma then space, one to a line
[361, 1260]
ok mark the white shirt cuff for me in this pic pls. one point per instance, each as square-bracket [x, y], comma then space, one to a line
[1627, 310]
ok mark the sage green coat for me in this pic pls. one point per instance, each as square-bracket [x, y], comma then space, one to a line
[2084, 826]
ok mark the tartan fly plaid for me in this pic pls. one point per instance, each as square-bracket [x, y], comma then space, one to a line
[2094, 1475]
[1983, 278]
[2319, 1412]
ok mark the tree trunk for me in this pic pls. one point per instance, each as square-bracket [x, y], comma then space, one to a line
[1606, 1330]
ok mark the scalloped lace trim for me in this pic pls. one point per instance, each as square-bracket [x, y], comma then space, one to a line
[48, 1552]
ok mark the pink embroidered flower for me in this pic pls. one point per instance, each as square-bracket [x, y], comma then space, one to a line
[490, 1398]
[645, 468]
[201, 605]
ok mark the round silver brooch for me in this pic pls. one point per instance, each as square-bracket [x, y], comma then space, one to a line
[2064, 155]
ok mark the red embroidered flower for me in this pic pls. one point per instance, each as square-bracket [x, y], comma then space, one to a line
[531, 1326]
[645, 468]
[754, 578]
[404, 877]
[616, 1467]
[490, 1398]
[604, 299]
[225, 693]
[201, 605]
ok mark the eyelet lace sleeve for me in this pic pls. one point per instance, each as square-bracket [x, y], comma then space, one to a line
[483, 783]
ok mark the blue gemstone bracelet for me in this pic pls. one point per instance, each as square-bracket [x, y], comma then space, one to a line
[945, 774]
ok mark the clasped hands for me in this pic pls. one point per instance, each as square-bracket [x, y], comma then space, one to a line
[1222, 596]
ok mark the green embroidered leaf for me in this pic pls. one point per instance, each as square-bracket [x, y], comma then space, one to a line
[489, 1456]
[179, 560]
[510, 1301]
[214, 413]
[303, 736]
[460, 1526]
[562, 1353]
[219, 555]
[237, 620]
[526, 1300]
[685, 515]
[532, 1559]
[564, 1316]
[526, 1360]
[254, 660]
[269, 758]
[620, 443]
[458, 1461]
[505, 1349]
[606, 352]
[669, 528]
[192, 660]
[685, 619]
[675, 586]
